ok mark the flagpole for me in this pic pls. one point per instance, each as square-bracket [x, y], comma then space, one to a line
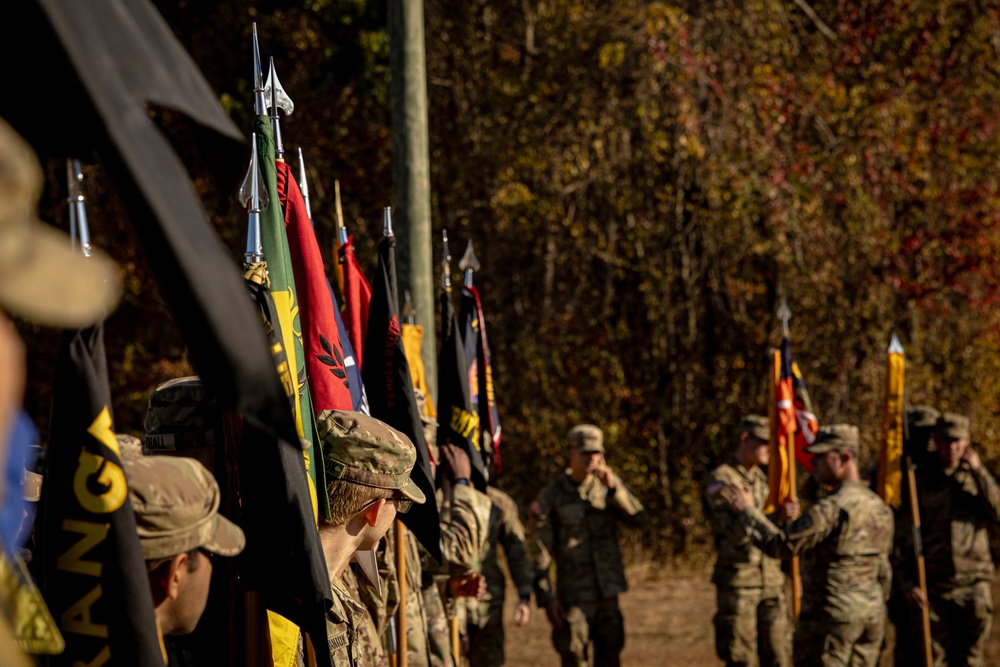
[784, 313]
[401, 647]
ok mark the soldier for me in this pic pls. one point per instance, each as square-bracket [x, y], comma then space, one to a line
[485, 617]
[751, 621]
[176, 506]
[578, 533]
[844, 540]
[959, 501]
[368, 466]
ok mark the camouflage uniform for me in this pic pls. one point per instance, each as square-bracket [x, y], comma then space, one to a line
[578, 532]
[486, 633]
[369, 641]
[752, 616]
[844, 540]
[957, 508]
[463, 532]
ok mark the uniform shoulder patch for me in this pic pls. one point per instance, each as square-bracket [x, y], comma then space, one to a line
[338, 642]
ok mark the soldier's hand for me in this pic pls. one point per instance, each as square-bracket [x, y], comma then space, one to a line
[522, 613]
[603, 473]
[791, 509]
[915, 596]
[972, 458]
[554, 612]
[469, 585]
[738, 497]
[457, 461]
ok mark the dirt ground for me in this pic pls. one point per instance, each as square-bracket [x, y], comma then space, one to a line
[668, 622]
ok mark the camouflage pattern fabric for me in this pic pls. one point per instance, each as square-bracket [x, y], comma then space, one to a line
[827, 643]
[751, 622]
[368, 639]
[957, 509]
[343, 623]
[485, 616]
[578, 532]
[599, 622]
[844, 541]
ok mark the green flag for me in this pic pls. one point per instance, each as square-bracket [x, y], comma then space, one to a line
[282, 288]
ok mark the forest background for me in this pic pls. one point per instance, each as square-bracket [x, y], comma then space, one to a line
[643, 182]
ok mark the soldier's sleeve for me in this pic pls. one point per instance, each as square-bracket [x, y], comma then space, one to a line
[800, 536]
[885, 570]
[725, 522]
[625, 505]
[545, 545]
[515, 548]
[464, 533]
[989, 492]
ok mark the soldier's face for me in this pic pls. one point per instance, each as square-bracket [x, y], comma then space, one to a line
[950, 450]
[582, 464]
[826, 467]
[761, 453]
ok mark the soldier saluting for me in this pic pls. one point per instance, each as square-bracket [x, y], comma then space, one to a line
[844, 541]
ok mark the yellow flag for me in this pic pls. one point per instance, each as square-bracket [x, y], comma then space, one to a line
[890, 475]
[413, 340]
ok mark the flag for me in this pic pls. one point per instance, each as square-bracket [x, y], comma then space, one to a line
[325, 361]
[793, 424]
[357, 297]
[890, 474]
[386, 376]
[89, 562]
[413, 343]
[484, 401]
[468, 318]
[359, 399]
[458, 422]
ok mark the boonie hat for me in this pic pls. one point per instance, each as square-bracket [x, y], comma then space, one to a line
[42, 279]
[757, 426]
[951, 426]
[176, 504]
[360, 449]
[835, 436]
[586, 438]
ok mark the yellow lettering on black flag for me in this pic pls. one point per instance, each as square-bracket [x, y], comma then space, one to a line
[890, 474]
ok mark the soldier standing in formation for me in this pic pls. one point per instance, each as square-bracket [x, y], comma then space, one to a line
[751, 622]
[958, 500]
[578, 533]
[845, 539]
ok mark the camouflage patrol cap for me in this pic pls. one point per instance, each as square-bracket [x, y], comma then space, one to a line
[951, 426]
[757, 426]
[182, 414]
[176, 504]
[922, 416]
[586, 438]
[360, 449]
[835, 436]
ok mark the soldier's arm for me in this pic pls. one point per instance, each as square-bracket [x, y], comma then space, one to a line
[515, 548]
[989, 492]
[799, 536]
[545, 546]
[625, 505]
[726, 526]
[464, 533]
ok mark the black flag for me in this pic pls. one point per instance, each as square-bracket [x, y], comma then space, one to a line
[386, 376]
[90, 565]
[458, 423]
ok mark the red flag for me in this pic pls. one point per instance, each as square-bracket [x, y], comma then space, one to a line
[324, 353]
[357, 297]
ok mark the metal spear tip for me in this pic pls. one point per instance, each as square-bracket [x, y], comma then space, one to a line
[784, 313]
[387, 221]
[469, 261]
[275, 95]
[895, 347]
[253, 191]
[259, 103]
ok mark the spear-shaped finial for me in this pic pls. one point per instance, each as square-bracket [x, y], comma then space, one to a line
[784, 314]
[276, 98]
[469, 263]
[446, 263]
[409, 314]
[387, 221]
[895, 347]
[304, 184]
[79, 231]
[259, 101]
[253, 196]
